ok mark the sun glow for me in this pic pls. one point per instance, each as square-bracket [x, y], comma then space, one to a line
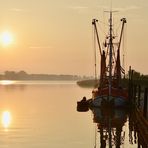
[6, 38]
[6, 82]
[6, 119]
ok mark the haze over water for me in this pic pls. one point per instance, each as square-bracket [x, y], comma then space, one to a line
[43, 114]
[55, 37]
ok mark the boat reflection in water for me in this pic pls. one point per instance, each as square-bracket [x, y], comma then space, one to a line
[109, 123]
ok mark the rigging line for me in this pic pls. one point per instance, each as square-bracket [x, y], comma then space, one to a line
[114, 56]
[95, 56]
[118, 27]
[107, 52]
[104, 18]
[103, 31]
[103, 23]
[123, 64]
[114, 60]
[110, 5]
[124, 48]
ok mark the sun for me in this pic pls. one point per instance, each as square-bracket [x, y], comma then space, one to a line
[6, 38]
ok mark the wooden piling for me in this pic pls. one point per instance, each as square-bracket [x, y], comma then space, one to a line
[139, 96]
[142, 126]
[140, 112]
[145, 102]
[130, 85]
[134, 94]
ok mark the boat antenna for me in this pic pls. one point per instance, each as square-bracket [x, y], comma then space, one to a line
[110, 5]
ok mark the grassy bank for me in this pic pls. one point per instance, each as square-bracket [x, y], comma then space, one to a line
[91, 83]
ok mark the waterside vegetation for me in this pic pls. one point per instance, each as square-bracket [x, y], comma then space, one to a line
[22, 75]
[138, 79]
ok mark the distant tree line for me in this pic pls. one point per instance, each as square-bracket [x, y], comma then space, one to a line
[22, 75]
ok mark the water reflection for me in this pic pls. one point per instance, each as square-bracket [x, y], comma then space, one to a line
[136, 131]
[110, 124]
[7, 82]
[11, 85]
[6, 119]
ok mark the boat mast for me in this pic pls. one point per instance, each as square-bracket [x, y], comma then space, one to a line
[110, 54]
[98, 40]
[121, 34]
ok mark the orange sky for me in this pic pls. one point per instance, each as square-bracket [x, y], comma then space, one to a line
[52, 36]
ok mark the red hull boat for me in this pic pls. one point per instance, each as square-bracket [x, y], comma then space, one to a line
[110, 90]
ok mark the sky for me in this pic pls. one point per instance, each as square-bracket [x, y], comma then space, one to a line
[55, 37]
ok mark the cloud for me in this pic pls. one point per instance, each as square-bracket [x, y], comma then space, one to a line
[103, 7]
[128, 8]
[78, 7]
[120, 8]
[16, 10]
[40, 47]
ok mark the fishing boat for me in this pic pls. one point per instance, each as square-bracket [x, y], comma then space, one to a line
[110, 90]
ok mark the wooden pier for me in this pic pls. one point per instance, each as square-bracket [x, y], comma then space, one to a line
[138, 99]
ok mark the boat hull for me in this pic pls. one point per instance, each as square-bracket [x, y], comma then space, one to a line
[101, 97]
[106, 101]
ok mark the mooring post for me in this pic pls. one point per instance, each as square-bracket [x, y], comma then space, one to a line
[139, 96]
[145, 102]
[130, 86]
[134, 94]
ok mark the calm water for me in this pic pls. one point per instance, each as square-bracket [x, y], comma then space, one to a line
[43, 115]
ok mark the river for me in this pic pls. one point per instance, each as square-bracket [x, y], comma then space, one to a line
[42, 114]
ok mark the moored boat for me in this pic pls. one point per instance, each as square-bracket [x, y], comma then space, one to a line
[110, 90]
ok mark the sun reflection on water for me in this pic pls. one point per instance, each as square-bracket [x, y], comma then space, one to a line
[6, 82]
[6, 119]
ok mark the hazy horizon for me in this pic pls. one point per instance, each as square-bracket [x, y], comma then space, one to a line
[42, 73]
[51, 36]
